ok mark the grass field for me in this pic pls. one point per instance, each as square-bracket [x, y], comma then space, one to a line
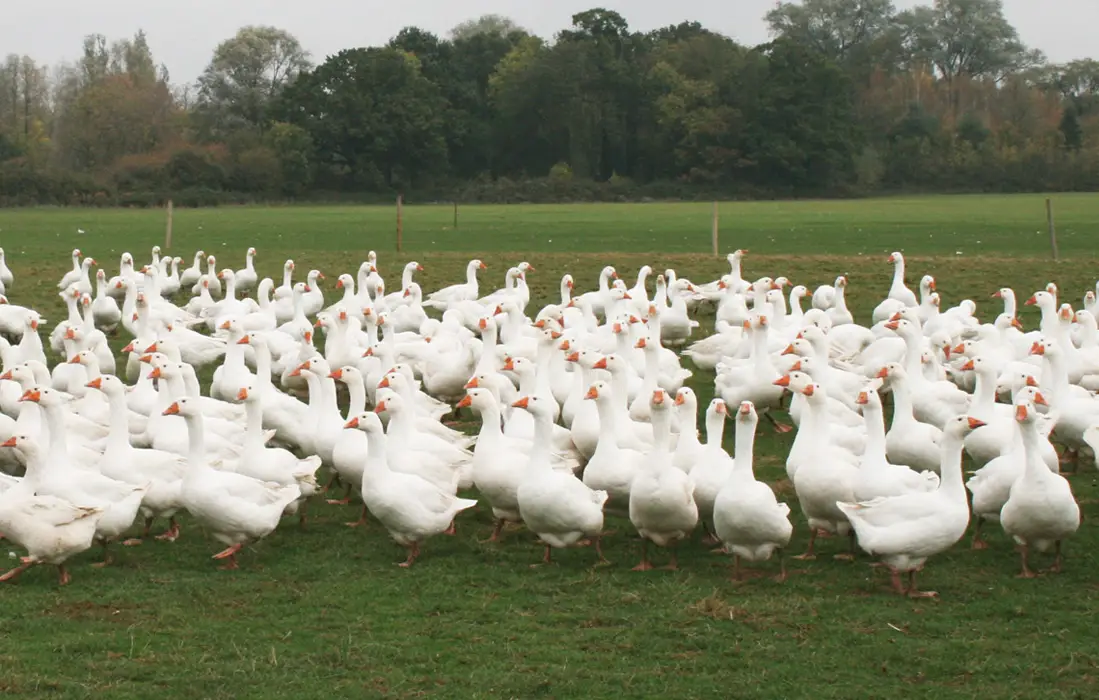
[323, 612]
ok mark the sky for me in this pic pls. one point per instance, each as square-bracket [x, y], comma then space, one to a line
[183, 34]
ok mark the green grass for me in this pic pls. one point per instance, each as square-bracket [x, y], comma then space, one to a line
[1008, 225]
[323, 612]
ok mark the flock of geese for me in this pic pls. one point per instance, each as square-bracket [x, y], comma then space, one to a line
[583, 411]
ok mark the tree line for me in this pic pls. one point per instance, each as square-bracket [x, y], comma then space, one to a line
[850, 97]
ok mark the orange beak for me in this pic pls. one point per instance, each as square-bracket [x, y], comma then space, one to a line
[522, 403]
[640, 343]
[975, 423]
[151, 348]
[128, 348]
[863, 399]
[601, 363]
[145, 358]
[960, 347]
[69, 334]
[593, 393]
[679, 401]
[1030, 381]
[339, 284]
[6, 376]
[75, 360]
[10, 442]
[796, 367]
[1020, 413]
[172, 410]
[224, 326]
[467, 400]
[1031, 301]
[384, 383]
[968, 367]
[509, 365]
[380, 408]
[572, 357]
[96, 383]
[883, 373]
[658, 397]
[1037, 349]
[244, 341]
[353, 423]
[242, 394]
[31, 395]
[1040, 400]
[484, 266]
[809, 390]
[336, 374]
[789, 350]
[564, 345]
[419, 268]
[782, 381]
[155, 374]
[473, 384]
[555, 335]
[893, 325]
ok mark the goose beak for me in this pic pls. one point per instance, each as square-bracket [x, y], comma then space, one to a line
[522, 403]
[353, 423]
[975, 423]
[10, 442]
[172, 410]
[336, 374]
[679, 400]
[466, 401]
[593, 393]
[242, 395]
[380, 408]
[601, 363]
[96, 383]
[782, 381]
[473, 384]
[1040, 400]
[244, 341]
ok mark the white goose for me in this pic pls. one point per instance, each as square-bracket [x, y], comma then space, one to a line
[408, 506]
[662, 505]
[748, 519]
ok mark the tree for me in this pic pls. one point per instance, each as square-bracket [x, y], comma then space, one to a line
[837, 28]
[245, 76]
[372, 114]
[965, 37]
[490, 25]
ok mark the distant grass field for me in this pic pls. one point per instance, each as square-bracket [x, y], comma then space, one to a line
[324, 612]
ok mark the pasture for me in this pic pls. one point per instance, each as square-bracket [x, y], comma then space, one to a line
[324, 612]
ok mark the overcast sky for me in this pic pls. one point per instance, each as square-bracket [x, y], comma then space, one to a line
[183, 34]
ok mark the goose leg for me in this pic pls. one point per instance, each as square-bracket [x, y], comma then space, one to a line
[346, 494]
[809, 554]
[1056, 568]
[1024, 554]
[231, 555]
[898, 586]
[172, 533]
[673, 565]
[736, 568]
[978, 543]
[779, 427]
[645, 564]
[913, 592]
[850, 555]
[17, 571]
[63, 575]
[451, 529]
[413, 552]
[361, 521]
[598, 552]
[107, 558]
[781, 578]
[496, 530]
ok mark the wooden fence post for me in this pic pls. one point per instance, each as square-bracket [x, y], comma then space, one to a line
[714, 225]
[168, 229]
[400, 226]
[1052, 229]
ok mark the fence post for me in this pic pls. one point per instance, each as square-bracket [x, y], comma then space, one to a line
[168, 229]
[400, 226]
[714, 225]
[1052, 229]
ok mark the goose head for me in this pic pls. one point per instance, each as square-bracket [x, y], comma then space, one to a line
[535, 405]
[366, 422]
